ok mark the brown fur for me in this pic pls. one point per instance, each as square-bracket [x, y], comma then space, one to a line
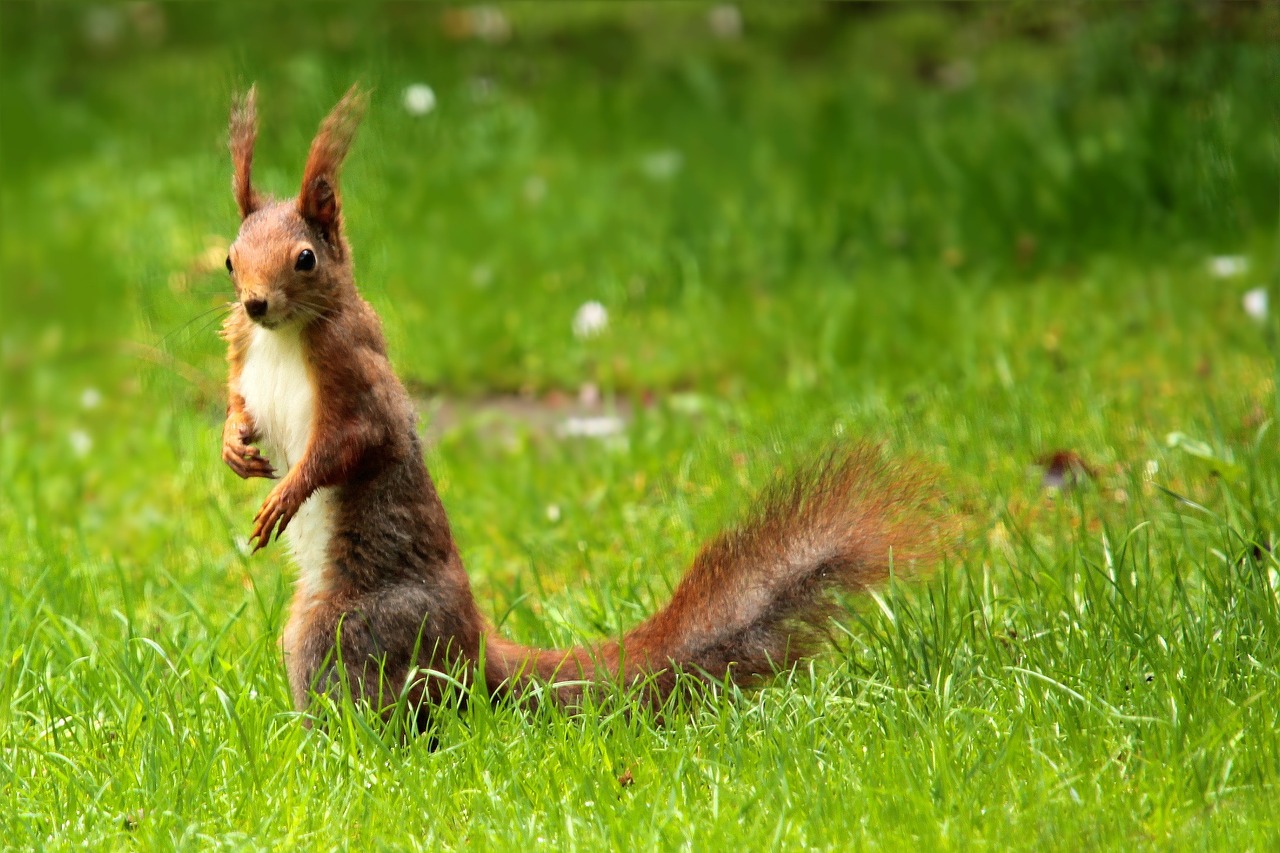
[395, 597]
[756, 596]
[318, 201]
[244, 133]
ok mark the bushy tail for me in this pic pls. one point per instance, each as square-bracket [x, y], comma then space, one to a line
[758, 596]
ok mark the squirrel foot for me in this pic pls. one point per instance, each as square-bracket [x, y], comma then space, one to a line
[277, 511]
[241, 456]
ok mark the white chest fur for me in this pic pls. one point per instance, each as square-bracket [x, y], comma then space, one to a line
[280, 397]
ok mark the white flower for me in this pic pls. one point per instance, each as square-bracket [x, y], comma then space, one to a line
[81, 442]
[535, 189]
[103, 26]
[725, 21]
[419, 99]
[596, 426]
[90, 398]
[590, 320]
[553, 513]
[490, 24]
[1255, 303]
[1228, 266]
[662, 165]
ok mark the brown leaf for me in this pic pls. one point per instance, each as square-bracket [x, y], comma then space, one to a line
[1064, 469]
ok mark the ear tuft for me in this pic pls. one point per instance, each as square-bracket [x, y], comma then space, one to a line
[243, 134]
[318, 202]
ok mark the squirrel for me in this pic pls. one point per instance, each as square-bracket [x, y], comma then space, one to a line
[382, 601]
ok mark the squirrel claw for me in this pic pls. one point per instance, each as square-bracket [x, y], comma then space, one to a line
[259, 465]
[274, 516]
[238, 451]
[247, 462]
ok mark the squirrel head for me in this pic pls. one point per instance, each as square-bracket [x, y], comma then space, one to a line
[290, 262]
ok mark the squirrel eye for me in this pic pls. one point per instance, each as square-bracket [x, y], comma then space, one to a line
[229, 263]
[306, 260]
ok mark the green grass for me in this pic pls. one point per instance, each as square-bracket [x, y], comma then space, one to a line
[976, 236]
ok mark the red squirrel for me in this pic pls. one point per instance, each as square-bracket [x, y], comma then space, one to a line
[382, 597]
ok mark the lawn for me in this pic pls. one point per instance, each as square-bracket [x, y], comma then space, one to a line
[980, 237]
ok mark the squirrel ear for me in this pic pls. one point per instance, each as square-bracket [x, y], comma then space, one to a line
[318, 202]
[244, 131]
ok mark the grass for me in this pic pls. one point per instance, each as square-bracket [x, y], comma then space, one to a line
[977, 236]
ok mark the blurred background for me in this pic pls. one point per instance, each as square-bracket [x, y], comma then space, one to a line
[962, 227]
[679, 164]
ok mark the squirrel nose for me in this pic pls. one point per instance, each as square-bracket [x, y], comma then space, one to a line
[255, 307]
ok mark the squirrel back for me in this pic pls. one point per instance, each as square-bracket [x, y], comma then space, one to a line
[383, 597]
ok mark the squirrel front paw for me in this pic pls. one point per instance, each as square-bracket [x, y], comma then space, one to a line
[240, 454]
[277, 511]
